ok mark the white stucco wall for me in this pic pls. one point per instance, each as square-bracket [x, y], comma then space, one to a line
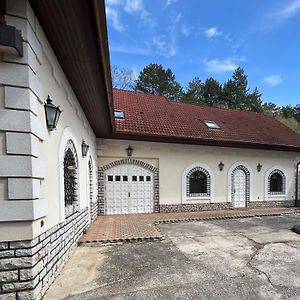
[173, 159]
[27, 82]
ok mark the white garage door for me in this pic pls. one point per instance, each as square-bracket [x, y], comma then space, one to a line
[128, 190]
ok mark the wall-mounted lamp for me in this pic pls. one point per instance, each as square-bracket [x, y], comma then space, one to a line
[129, 151]
[84, 148]
[221, 166]
[10, 38]
[258, 167]
[52, 114]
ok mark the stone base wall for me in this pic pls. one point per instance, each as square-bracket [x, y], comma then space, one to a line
[94, 210]
[27, 268]
[223, 205]
[193, 207]
[287, 203]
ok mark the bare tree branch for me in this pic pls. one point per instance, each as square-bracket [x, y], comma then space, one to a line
[122, 78]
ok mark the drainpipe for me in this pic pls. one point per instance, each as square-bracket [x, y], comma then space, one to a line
[297, 185]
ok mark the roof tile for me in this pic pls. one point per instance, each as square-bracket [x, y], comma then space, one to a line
[156, 116]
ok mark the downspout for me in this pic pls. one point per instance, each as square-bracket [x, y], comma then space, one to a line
[297, 185]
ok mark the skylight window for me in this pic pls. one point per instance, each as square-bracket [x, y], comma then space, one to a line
[211, 125]
[119, 114]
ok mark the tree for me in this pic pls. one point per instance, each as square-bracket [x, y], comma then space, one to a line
[211, 91]
[122, 78]
[254, 102]
[154, 79]
[229, 94]
[297, 112]
[194, 92]
[235, 91]
[270, 109]
[287, 111]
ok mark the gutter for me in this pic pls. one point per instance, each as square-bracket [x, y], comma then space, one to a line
[102, 39]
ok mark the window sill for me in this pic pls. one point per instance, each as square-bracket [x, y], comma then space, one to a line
[276, 198]
[197, 198]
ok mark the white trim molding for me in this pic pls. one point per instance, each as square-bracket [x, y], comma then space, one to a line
[65, 137]
[278, 197]
[210, 195]
[229, 180]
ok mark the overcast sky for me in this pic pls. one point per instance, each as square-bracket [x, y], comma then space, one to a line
[211, 38]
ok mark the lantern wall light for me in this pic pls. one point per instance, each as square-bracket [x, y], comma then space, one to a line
[259, 167]
[221, 166]
[52, 114]
[10, 37]
[129, 151]
[84, 148]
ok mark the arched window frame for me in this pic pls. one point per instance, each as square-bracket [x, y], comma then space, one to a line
[247, 168]
[91, 180]
[276, 195]
[65, 137]
[71, 206]
[188, 197]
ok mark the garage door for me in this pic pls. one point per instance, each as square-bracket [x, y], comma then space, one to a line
[128, 190]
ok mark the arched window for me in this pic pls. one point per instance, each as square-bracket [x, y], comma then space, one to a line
[276, 182]
[91, 192]
[198, 182]
[70, 179]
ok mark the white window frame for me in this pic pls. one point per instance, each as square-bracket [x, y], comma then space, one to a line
[184, 198]
[274, 197]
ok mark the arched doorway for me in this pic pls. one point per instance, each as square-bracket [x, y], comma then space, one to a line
[240, 179]
[130, 186]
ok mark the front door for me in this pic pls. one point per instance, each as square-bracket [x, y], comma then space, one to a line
[129, 190]
[239, 188]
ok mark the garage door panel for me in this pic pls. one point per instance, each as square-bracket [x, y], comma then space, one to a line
[128, 190]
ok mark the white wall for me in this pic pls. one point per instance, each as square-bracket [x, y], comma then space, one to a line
[173, 159]
[27, 82]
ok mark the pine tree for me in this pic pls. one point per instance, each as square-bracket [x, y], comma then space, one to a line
[154, 79]
[211, 91]
[194, 92]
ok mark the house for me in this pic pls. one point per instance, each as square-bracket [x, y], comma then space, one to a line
[188, 157]
[72, 149]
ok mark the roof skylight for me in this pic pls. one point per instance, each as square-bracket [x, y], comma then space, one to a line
[119, 114]
[211, 125]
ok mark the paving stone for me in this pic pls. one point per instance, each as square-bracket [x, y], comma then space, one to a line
[126, 228]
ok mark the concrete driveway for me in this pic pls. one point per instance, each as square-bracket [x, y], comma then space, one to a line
[251, 258]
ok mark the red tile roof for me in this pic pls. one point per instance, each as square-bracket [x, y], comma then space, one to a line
[150, 117]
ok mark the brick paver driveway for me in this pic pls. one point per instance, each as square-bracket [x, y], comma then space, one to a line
[124, 228]
[255, 258]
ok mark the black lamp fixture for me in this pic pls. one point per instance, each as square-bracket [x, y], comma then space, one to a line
[84, 148]
[52, 114]
[221, 166]
[10, 38]
[258, 167]
[129, 151]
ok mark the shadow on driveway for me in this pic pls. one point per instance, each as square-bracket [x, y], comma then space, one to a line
[253, 258]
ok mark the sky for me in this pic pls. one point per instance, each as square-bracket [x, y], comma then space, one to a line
[211, 39]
